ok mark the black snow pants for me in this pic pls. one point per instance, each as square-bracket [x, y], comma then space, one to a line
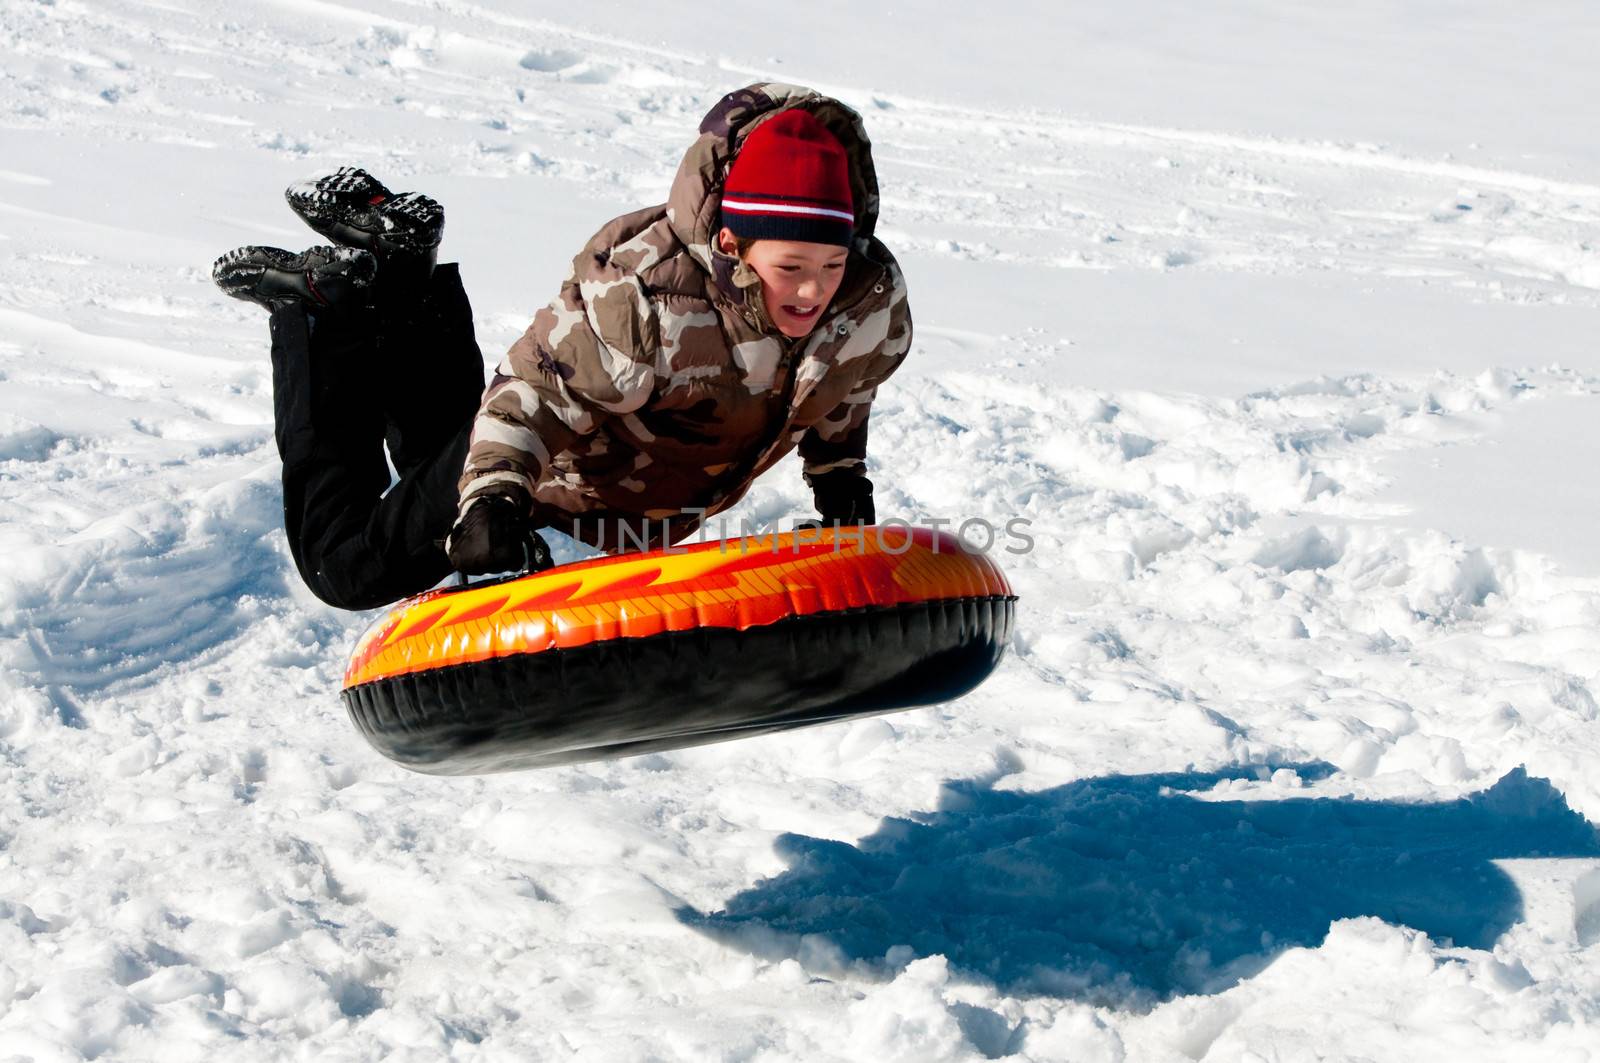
[344, 385]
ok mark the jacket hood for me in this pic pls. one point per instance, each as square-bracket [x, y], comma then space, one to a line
[694, 207]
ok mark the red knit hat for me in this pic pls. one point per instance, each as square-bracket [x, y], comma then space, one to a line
[790, 181]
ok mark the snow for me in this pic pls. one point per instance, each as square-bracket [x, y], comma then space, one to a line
[1442, 485]
[1276, 321]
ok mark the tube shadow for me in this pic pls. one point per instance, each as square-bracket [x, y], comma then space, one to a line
[1127, 889]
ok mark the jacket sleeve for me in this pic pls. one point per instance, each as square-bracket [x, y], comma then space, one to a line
[834, 450]
[586, 356]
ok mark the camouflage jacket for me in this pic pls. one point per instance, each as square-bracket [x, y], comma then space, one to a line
[654, 382]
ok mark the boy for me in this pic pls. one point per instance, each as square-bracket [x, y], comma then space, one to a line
[693, 346]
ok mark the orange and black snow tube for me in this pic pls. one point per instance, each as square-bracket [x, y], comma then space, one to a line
[641, 652]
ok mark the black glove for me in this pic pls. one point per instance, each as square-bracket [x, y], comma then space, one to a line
[843, 497]
[496, 534]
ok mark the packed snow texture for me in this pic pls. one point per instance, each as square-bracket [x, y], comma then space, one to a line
[1276, 321]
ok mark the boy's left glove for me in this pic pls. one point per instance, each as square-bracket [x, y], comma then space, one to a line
[495, 534]
[843, 497]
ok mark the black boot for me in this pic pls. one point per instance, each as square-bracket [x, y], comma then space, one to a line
[431, 371]
[351, 207]
[322, 278]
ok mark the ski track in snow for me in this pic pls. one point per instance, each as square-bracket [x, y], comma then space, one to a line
[1256, 739]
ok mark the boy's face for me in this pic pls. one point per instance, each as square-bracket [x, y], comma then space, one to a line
[798, 279]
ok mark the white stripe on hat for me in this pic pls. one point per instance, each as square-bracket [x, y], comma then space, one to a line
[739, 206]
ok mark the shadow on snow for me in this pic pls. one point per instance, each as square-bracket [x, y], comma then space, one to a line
[1125, 889]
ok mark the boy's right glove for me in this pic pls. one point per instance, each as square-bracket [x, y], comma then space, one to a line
[843, 497]
[495, 534]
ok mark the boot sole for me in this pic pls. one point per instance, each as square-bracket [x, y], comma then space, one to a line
[351, 207]
[246, 273]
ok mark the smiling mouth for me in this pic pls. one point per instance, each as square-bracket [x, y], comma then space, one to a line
[795, 311]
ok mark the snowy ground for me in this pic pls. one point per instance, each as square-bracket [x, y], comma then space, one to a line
[1277, 321]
